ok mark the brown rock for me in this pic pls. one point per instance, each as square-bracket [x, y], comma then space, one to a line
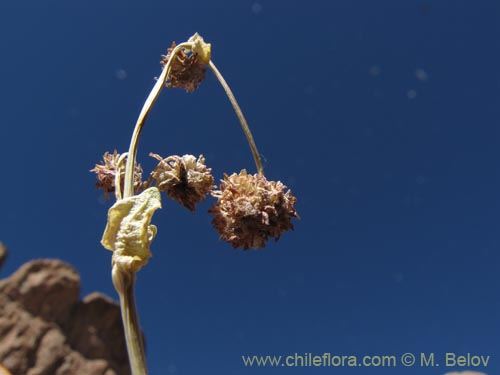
[46, 288]
[99, 332]
[3, 257]
[46, 330]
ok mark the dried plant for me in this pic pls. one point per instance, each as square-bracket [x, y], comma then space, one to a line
[186, 71]
[249, 209]
[107, 174]
[184, 178]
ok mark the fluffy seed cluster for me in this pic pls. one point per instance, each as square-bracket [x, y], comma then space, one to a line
[186, 71]
[106, 173]
[250, 210]
[185, 179]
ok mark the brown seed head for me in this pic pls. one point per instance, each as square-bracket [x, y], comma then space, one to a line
[185, 179]
[186, 71]
[106, 174]
[250, 209]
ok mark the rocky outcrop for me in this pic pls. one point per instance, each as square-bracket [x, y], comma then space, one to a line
[45, 329]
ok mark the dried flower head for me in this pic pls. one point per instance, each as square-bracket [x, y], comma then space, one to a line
[187, 71]
[250, 209]
[185, 179]
[106, 173]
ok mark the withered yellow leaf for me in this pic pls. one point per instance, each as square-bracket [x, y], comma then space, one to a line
[129, 231]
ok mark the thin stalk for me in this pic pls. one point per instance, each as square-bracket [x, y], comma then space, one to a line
[243, 121]
[153, 95]
[118, 181]
[124, 281]
[124, 284]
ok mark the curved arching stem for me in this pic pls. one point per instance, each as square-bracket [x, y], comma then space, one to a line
[128, 190]
[243, 121]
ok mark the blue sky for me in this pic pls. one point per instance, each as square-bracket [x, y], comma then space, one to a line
[382, 117]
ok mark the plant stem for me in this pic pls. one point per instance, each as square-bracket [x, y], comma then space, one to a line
[124, 284]
[243, 121]
[124, 280]
[153, 95]
[118, 183]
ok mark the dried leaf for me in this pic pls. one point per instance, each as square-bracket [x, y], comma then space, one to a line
[128, 232]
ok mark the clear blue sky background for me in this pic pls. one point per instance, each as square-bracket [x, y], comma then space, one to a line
[381, 116]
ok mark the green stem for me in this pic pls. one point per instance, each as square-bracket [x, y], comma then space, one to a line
[243, 121]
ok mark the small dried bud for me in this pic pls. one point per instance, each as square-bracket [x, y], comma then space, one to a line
[106, 174]
[201, 48]
[186, 71]
[250, 209]
[185, 179]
